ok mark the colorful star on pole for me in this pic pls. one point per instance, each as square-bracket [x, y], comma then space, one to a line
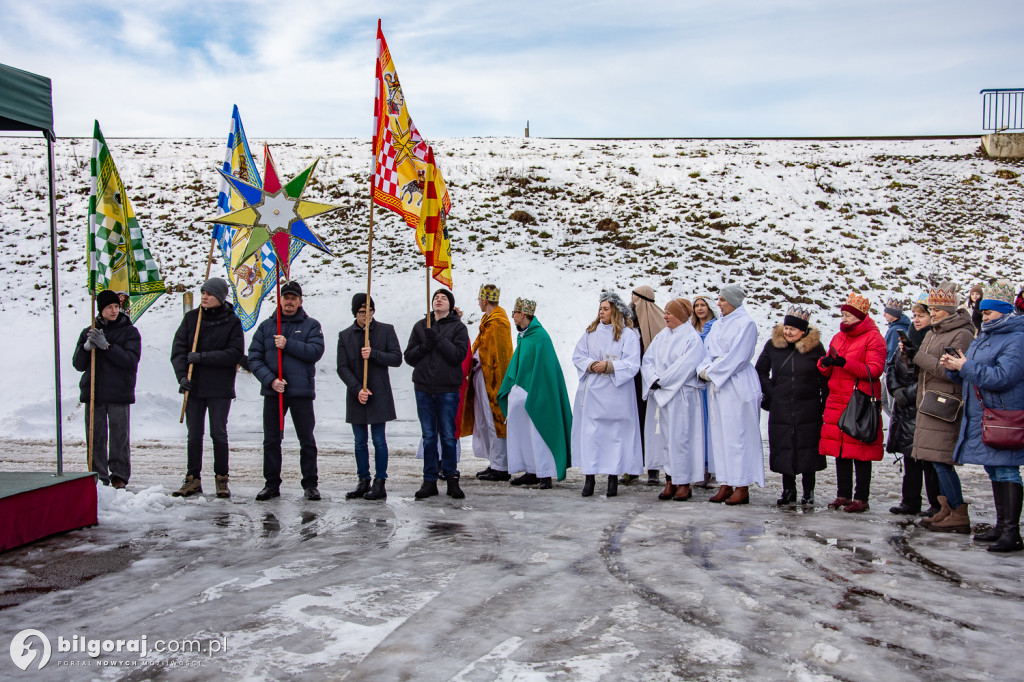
[275, 213]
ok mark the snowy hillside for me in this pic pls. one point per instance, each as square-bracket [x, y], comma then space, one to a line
[793, 221]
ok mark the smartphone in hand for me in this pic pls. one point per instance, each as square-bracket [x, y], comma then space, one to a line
[949, 350]
[903, 337]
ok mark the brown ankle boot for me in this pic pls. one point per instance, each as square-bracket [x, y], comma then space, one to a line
[740, 495]
[683, 493]
[723, 492]
[222, 486]
[957, 521]
[944, 511]
[668, 492]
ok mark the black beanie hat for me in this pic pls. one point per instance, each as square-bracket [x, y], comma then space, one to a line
[449, 295]
[358, 301]
[105, 298]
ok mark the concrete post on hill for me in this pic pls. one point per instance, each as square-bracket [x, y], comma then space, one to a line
[1003, 145]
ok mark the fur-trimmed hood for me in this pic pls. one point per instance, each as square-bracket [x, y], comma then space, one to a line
[804, 345]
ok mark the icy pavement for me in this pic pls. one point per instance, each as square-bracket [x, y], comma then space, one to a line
[508, 584]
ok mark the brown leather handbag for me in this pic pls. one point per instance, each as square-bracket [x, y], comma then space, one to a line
[1001, 429]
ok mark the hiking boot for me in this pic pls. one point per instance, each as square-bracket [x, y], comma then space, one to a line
[525, 479]
[724, 491]
[190, 486]
[588, 485]
[362, 488]
[454, 491]
[740, 495]
[221, 484]
[268, 492]
[428, 489]
[944, 511]
[377, 491]
[312, 494]
[956, 521]
[653, 477]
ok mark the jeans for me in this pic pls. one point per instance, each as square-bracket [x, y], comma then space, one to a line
[115, 417]
[195, 413]
[1003, 474]
[303, 420]
[380, 450]
[437, 417]
[949, 484]
[844, 478]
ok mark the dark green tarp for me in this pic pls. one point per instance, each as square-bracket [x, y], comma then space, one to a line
[25, 101]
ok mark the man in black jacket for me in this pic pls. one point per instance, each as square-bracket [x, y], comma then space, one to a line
[301, 342]
[118, 347]
[436, 354]
[373, 406]
[214, 365]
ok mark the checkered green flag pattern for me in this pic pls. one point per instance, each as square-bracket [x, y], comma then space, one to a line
[118, 256]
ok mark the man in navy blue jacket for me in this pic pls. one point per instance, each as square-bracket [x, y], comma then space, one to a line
[301, 342]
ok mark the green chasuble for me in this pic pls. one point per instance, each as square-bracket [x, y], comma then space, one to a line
[534, 367]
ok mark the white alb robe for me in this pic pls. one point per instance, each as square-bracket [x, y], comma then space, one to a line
[527, 450]
[605, 420]
[674, 431]
[734, 400]
[486, 443]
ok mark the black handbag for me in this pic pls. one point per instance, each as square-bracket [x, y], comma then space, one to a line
[862, 415]
[940, 405]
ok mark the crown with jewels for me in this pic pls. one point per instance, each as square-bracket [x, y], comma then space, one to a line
[897, 303]
[942, 296]
[490, 293]
[859, 302]
[525, 306]
[798, 312]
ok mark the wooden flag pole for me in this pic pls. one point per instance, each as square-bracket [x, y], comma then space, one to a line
[199, 323]
[92, 380]
[369, 310]
[428, 296]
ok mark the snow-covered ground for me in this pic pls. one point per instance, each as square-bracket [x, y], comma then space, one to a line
[512, 584]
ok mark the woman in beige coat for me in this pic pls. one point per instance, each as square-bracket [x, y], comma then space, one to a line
[935, 437]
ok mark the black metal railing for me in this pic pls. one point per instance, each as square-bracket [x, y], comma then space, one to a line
[1002, 109]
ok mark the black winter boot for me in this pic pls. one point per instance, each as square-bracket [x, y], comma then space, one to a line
[653, 477]
[428, 489]
[613, 487]
[377, 491]
[996, 531]
[588, 486]
[362, 488]
[1013, 497]
[788, 498]
[454, 490]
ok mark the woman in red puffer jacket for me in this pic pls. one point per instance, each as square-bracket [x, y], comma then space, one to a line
[856, 356]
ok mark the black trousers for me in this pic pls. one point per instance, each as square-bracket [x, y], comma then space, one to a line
[111, 448]
[195, 414]
[303, 420]
[789, 483]
[844, 478]
[915, 472]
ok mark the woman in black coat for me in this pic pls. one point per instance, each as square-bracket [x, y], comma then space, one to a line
[374, 406]
[901, 382]
[793, 393]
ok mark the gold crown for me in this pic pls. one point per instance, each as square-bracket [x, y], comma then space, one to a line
[525, 306]
[944, 297]
[798, 312]
[859, 302]
[489, 292]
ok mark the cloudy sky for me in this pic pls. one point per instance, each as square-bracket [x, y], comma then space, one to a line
[637, 68]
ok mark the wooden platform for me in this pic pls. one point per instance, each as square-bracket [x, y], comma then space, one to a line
[34, 505]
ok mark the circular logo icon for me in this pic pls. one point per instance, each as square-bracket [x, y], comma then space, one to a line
[23, 653]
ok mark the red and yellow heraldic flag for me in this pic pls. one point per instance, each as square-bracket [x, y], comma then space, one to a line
[432, 229]
[400, 154]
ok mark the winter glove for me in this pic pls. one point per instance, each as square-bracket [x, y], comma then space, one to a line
[838, 361]
[826, 361]
[899, 397]
[184, 385]
[195, 358]
[656, 385]
[88, 343]
[430, 337]
[98, 339]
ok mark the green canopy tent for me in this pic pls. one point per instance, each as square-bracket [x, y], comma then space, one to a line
[26, 104]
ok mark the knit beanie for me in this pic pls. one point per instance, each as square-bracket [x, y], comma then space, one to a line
[857, 305]
[216, 287]
[797, 317]
[105, 298]
[680, 308]
[733, 293]
[449, 295]
[358, 301]
[895, 307]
